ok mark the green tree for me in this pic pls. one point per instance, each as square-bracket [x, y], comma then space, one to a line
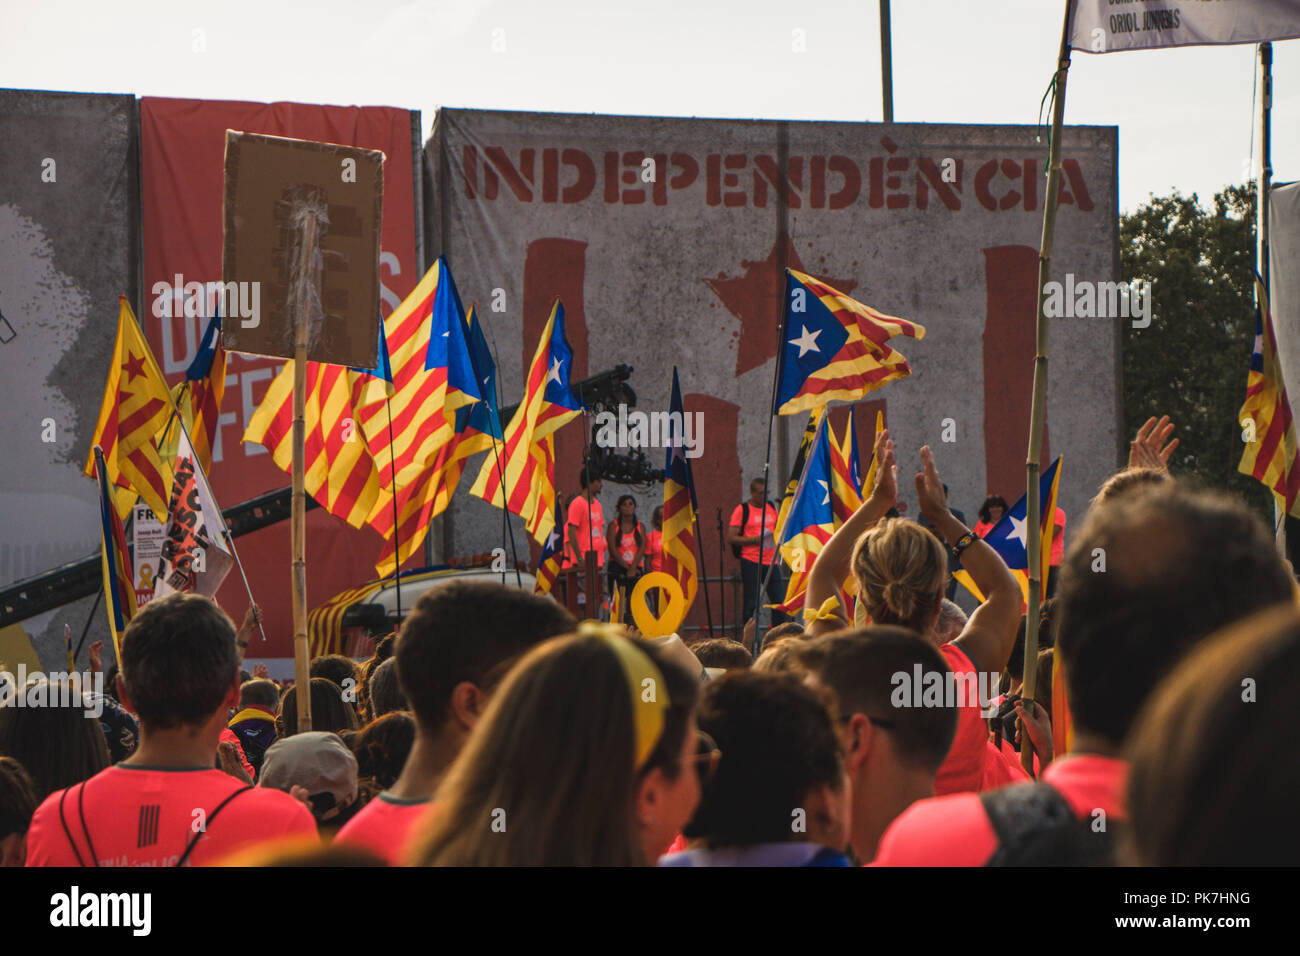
[1191, 362]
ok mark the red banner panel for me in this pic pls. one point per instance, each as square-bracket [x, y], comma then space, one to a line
[182, 153]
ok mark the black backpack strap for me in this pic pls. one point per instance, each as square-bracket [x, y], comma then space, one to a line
[67, 831]
[189, 847]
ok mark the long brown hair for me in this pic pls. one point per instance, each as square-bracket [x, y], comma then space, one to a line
[1214, 779]
[900, 569]
[548, 777]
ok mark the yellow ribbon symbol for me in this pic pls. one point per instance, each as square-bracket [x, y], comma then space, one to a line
[672, 605]
[146, 578]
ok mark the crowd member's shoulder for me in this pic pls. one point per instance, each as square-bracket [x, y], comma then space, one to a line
[952, 830]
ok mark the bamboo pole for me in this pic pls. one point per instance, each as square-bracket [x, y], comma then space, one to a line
[1038, 409]
[304, 279]
[1261, 228]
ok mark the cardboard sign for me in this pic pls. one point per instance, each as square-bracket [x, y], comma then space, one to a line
[267, 177]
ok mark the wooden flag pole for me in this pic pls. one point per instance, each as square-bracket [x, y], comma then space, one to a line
[305, 215]
[1261, 228]
[1038, 410]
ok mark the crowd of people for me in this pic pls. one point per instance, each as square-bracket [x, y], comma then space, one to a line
[495, 729]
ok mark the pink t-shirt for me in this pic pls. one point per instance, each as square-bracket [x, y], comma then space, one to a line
[1058, 540]
[749, 552]
[955, 831]
[583, 535]
[146, 816]
[384, 826]
[963, 769]
[654, 545]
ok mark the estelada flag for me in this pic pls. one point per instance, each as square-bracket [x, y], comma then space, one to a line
[528, 455]
[203, 389]
[194, 557]
[796, 470]
[1270, 455]
[845, 477]
[115, 559]
[548, 565]
[136, 409]
[834, 347]
[410, 428]
[811, 521]
[680, 503]
[1009, 537]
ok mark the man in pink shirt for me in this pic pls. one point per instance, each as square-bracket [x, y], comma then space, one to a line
[751, 521]
[452, 652]
[1179, 565]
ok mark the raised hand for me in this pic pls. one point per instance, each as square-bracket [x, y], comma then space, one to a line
[96, 653]
[929, 488]
[1152, 447]
[260, 672]
[885, 492]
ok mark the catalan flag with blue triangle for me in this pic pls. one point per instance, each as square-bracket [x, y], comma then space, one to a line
[205, 386]
[680, 503]
[1009, 537]
[548, 565]
[845, 480]
[115, 560]
[411, 434]
[835, 348]
[528, 452]
[1270, 455]
[811, 520]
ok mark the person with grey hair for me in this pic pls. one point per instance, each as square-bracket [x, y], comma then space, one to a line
[951, 622]
[385, 693]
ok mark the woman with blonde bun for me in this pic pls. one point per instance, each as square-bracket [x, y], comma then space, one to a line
[901, 570]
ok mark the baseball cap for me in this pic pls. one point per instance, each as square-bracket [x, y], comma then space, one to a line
[319, 762]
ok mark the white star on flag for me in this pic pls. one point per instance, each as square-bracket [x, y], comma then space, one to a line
[825, 488]
[554, 373]
[807, 342]
[1018, 532]
[552, 539]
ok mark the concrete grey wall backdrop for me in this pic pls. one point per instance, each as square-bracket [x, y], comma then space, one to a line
[938, 224]
[68, 249]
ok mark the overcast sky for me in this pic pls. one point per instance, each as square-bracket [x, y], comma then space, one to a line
[1184, 115]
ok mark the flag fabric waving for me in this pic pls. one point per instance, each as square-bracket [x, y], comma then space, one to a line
[1270, 455]
[811, 521]
[528, 455]
[432, 377]
[680, 503]
[845, 477]
[137, 407]
[1009, 536]
[194, 556]
[796, 470]
[115, 560]
[548, 565]
[204, 387]
[835, 348]
[869, 479]
[338, 469]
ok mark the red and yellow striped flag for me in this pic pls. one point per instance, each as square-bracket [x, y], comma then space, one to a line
[204, 387]
[680, 505]
[410, 425]
[528, 453]
[137, 406]
[1270, 454]
[339, 472]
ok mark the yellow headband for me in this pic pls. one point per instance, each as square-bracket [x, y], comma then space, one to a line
[645, 682]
